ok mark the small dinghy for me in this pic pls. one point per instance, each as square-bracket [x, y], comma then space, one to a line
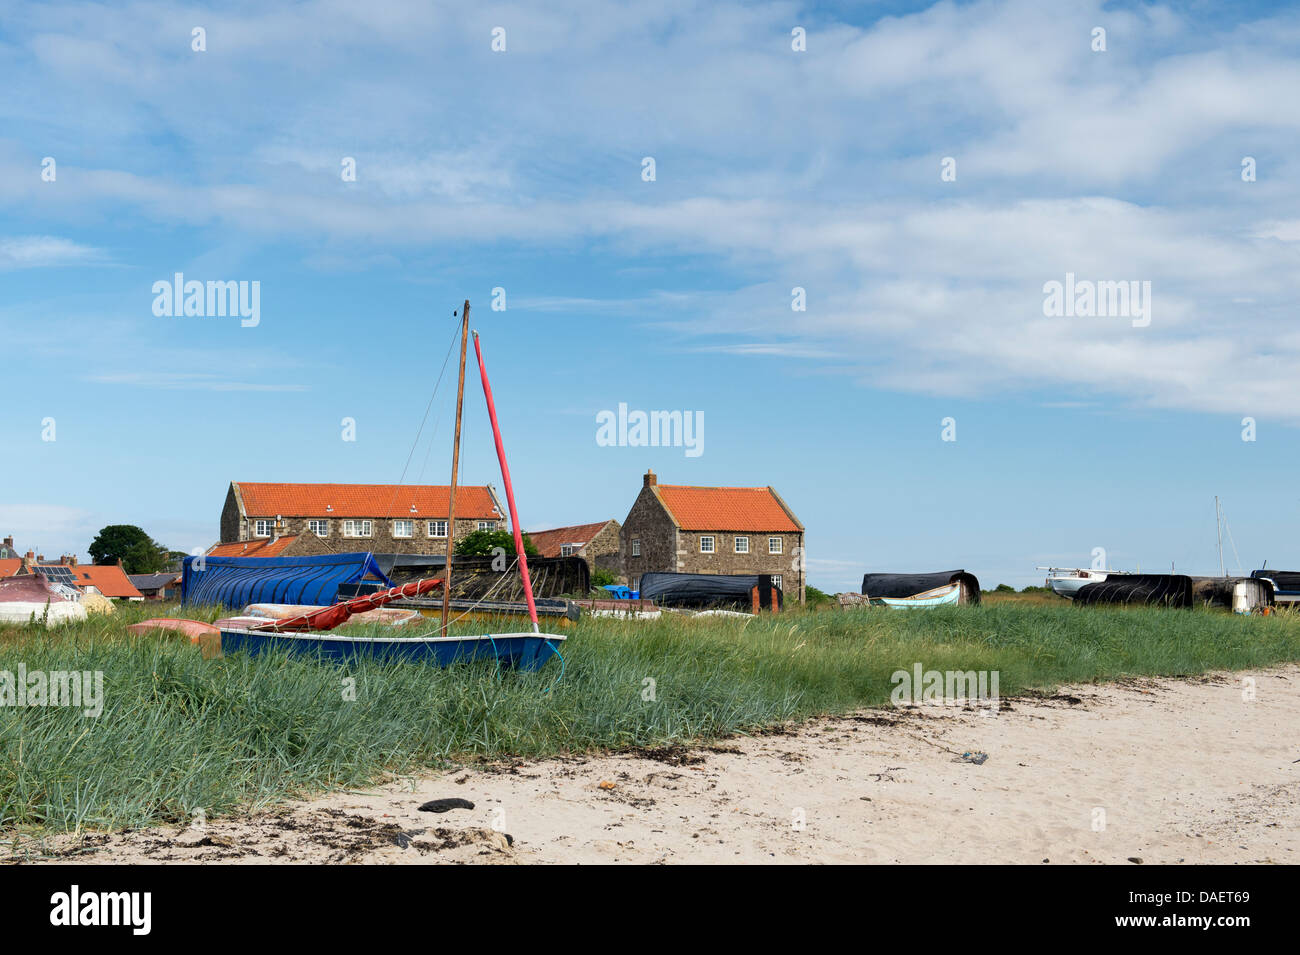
[938, 597]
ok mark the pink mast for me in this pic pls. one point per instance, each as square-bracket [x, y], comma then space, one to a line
[505, 479]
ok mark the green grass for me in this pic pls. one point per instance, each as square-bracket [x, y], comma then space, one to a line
[179, 733]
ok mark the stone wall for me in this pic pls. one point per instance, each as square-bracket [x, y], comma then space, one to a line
[725, 560]
[602, 551]
[381, 540]
[649, 523]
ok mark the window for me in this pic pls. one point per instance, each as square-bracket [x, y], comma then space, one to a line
[742, 545]
[319, 528]
[774, 545]
[356, 528]
[706, 545]
[776, 581]
[437, 528]
[636, 547]
[263, 528]
[568, 550]
[487, 525]
[403, 528]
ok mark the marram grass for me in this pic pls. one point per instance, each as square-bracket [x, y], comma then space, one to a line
[179, 734]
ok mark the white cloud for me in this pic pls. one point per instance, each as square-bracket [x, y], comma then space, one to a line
[43, 251]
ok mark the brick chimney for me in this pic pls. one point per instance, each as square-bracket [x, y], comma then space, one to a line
[9, 542]
[26, 566]
[650, 480]
[72, 560]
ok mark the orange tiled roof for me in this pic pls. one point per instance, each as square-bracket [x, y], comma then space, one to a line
[259, 547]
[10, 566]
[548, 542]
[364, 500]
[109, 579]
[725, 508]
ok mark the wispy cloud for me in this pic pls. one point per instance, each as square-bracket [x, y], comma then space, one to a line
[44, 251]
[180, 381]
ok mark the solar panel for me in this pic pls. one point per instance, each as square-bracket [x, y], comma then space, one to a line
[59, 575]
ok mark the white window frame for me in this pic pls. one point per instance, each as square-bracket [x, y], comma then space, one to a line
[775, 545]
[712, 548]
[742, 549]
[268, 523]
[778, 582]
[431, 528]
[407, 521]
[568, 550]
[636, 547]
[358, 528]
[487, 525]
[319, 528]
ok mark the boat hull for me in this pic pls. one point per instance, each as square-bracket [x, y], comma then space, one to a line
[939, 597]
[526, 651]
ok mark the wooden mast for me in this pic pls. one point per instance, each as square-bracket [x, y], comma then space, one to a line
[455, 466]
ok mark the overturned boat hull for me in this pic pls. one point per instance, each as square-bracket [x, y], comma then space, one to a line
[526, 651]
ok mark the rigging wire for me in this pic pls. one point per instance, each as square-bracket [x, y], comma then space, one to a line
[415, 444]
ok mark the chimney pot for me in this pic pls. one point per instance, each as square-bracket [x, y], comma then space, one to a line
[650, 479]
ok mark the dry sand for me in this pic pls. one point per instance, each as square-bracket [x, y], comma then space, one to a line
[1184, 771]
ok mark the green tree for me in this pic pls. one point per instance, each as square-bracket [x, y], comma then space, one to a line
[139, 553]
[600, 577]
[482, 543]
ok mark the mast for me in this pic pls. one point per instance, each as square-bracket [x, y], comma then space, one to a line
[455, 466]
[510, 493]
[1218, 526]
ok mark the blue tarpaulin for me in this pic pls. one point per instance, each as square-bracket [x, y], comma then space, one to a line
[237, 581]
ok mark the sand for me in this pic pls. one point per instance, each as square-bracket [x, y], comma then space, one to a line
[1162, 771]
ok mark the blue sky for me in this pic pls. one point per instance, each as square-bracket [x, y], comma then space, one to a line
[775, 169]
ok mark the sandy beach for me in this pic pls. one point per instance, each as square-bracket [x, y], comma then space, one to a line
[1161, 771]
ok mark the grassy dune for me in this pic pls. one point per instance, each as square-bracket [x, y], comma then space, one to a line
[179, 734]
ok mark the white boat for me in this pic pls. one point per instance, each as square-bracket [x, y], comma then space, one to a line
[1066, 581]
[949, 594]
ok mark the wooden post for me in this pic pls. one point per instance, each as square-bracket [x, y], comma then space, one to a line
[455, 466]
[753, 597]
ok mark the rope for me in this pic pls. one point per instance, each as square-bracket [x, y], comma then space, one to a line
[558, 654]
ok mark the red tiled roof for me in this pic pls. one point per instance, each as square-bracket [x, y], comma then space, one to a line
[548, 542]
[10, 566]
[725, 508]
[364, 500]
[109, 579]
[259, 547]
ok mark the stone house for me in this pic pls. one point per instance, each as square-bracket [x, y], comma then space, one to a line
[682, 529]
[265, 520]
[596, 543]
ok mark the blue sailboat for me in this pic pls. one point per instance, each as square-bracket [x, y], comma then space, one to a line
[308, 632]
